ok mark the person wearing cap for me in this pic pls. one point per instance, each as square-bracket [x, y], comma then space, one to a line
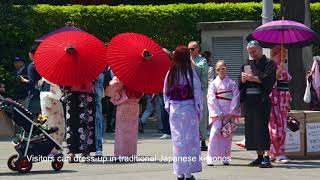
[257, 79]
[21, 84]
[200, 65]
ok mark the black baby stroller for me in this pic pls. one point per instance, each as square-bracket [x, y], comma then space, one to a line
[35, 144]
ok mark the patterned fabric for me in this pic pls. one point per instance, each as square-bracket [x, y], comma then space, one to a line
[184, 117]
[127, 101]
[220, 146]
[201, 67]
[211, 73]
[316, 77]
[126, 135]
[224, 94]
[278, 118]
[43, 85]
[180, 92]
[80, 121]
[228, 128]
[53, 109]
[115, 91]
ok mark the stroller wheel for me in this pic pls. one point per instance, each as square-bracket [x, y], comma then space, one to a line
[11, 162]
[57, 164]
[23, 165]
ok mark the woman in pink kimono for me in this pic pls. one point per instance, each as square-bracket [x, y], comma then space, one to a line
[127, 116]
[280, 98]
[50, 95]
[183, 101]
[224, 107]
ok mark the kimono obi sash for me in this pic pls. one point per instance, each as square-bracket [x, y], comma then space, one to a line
[180, 92]
[282, 85]
[44, 86]
[253, 91]
[224, 95]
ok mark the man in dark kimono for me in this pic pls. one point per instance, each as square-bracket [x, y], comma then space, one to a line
[257, 78]
[33, 78]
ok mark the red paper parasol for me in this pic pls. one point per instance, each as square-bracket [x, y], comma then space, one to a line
[139, 62]
[70, 58]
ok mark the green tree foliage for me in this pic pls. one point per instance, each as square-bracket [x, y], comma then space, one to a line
[169, 25]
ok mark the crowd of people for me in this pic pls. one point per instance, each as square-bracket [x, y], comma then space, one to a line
[263, 90]
[199, 104]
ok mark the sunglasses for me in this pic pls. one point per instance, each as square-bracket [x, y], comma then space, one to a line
[191, 49]
[219, 69]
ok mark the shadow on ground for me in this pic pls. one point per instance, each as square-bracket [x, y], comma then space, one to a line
[36, 173]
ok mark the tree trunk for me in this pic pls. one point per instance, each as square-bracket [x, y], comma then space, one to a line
[307, 51]
[296, 11]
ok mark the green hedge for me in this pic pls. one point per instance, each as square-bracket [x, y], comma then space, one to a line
[169, 25]
[125, 2]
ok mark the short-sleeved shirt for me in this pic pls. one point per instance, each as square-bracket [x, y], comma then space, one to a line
[201, 67]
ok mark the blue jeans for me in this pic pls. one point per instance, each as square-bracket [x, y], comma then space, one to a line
[149, 110]
[164, 116]
[158, 108]
[99, 117]
[99, 126]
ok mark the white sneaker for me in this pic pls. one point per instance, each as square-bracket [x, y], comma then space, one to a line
[281, 159]
[209, 161]
[165, 136]
[99, 153]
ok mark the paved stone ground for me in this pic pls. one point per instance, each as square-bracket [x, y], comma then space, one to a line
[151, 145]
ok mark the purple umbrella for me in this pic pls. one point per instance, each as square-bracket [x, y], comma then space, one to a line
[284, 32]
[63, 29]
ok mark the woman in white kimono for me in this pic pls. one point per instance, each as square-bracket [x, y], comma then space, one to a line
[50, 95]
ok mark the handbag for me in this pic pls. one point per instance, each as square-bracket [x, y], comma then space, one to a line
[293, 124]
[307, 93]
[228, 128]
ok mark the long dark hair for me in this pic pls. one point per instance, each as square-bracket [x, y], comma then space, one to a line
[180, 68]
